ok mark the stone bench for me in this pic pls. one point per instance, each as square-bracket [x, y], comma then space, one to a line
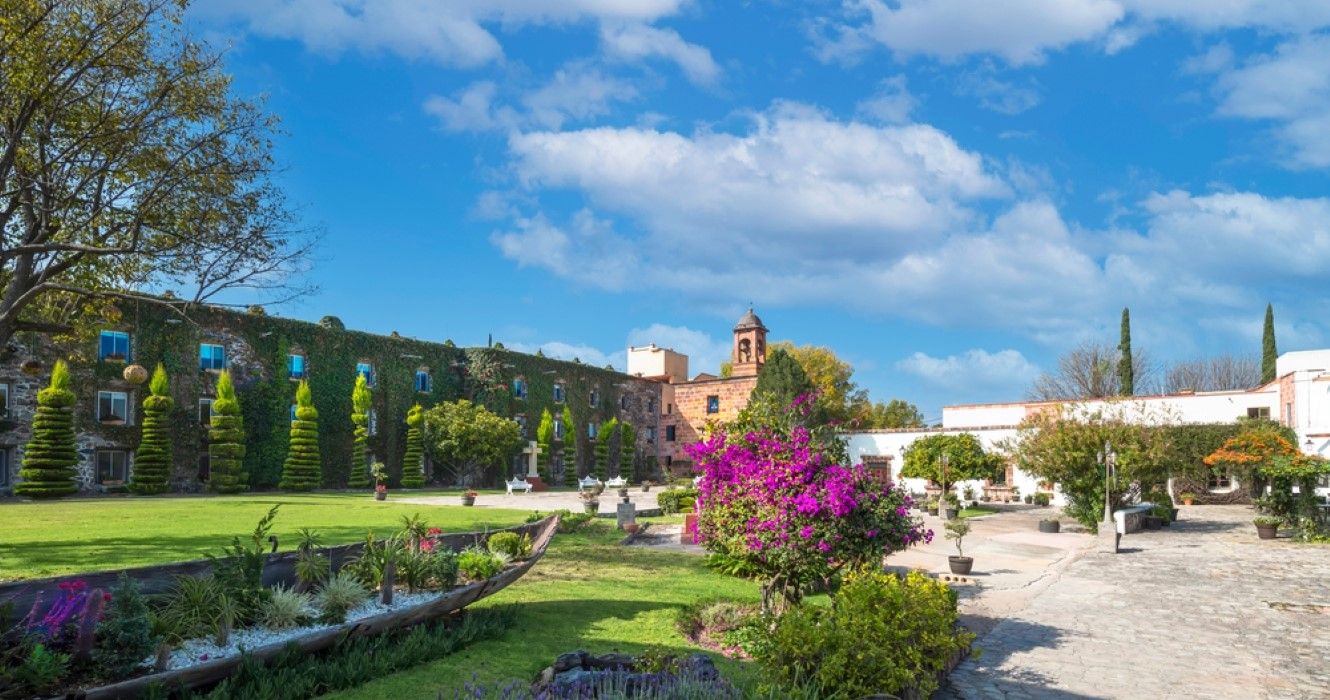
[514, 484]
[1130, 519]
[617, 482]
[588, 482]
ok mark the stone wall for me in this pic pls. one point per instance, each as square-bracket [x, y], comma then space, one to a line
[690, 416]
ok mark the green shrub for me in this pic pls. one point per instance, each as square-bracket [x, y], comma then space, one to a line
[152, 461]
[677, 499]
[302, 470]
[361, 401]
[510, 543]
[718, 616]
[1267, 521]
[428, 568]
[476, 564]
[226, 440]
[882, 634]
[42, 670]
[732, 566]
[189, 610]
[124, 637]
[413, 461]
[285, 609]
[1042, 499]
[339, 596]
[239, 570]
[570, 522]
[50, 456]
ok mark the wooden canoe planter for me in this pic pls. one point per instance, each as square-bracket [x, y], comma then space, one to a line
[280, 570]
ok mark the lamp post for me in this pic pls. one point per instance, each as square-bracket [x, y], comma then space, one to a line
[1108, 531]
[942, 499]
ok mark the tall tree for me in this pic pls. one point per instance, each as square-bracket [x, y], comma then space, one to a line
[226, 440]
[1218, 373]
[152, 461]
[604, 434]
[545, 441]
[303, 468]
[50, 456]
[126, 164]
[1126, 373]
[782, 378]
[361, 401]
[1088, 372]
[831, 376]
[1269, 354]
[470, 440]
[413, 461]
[569, 448]
[628, 451]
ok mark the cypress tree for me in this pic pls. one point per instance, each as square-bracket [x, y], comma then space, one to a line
[782, 378]
[226, 440]
[569, 448]
[413, 462]
[303, 467]
[152, 462]
[627, 450]
[1126, 370]
[360, 405]
[607, 430]
[545, 439]
[1269, 355]
[50, 456]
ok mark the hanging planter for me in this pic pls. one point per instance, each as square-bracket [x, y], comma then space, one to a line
[135, 374]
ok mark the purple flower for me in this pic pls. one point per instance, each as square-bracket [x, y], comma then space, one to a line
[806, 531]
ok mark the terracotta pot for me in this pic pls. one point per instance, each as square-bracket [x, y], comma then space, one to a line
[960, 565]
[1186, 501]
[631, 528]
[1267, 532]
[468, 500]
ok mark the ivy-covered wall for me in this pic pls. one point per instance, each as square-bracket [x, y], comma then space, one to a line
[257, 349]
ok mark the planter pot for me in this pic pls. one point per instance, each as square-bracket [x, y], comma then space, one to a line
[631, 528]
[1052, 526]
[932, 511]
[960, 565]
[380, 495]
[623, 493]
[1186, 501]
[645, 488]
[952, 513]
[468, 500]
[1150, 522]
[1267, 532]
[591, 508]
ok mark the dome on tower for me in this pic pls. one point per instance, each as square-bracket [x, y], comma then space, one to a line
[749, 320]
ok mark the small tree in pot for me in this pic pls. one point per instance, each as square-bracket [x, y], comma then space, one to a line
[957, 529]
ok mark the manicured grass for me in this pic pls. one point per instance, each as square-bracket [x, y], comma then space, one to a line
[976, 511]
[59, 537]
[586, 593]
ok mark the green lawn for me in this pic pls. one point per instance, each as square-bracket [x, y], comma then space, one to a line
[976, 511]
[586, 593]
[58, 537]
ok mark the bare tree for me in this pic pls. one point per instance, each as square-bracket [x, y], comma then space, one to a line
[126, 165]
[1090, 370]
[1218, 373]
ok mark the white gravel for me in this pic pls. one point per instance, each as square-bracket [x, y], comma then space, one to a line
[196, 651]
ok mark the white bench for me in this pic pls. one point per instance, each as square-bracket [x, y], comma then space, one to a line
[587, 482]
[617, 482]
[1129, 519]
[522, 484]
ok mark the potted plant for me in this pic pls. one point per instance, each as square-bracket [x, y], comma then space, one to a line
[1050, 525]
[1267, 526]
[931, 505]
[953, 506]
[969, 494]
[469, 497]
[590, 502]
[623, 493]
[1029, 499]
[957, 529]
[631, 528]
[1187, 497]
[646, 485]
[380, 481]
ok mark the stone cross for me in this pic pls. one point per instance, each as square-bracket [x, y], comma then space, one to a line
[531, 451]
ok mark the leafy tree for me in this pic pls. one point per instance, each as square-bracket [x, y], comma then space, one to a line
[896, 413]
[125, 164]
[627, 451]
[303, 467]
[608, 430]
[829, 375]
[1269, 353]
[965, 455]
[469, 439]
[50, 456]
[361, 401]
[152, 461]
[226, 439]
[1266, 454]
[545, 440]
[782, 378]
[570, 474]
[767, 413]
[1126, 373]
[726, 369]
[413, 462]
[125, 637]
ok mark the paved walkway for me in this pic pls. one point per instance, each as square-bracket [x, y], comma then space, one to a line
[1199, 610]
[543, 501]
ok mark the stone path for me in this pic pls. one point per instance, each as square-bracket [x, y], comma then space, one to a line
[1199, 610]
[543, 501]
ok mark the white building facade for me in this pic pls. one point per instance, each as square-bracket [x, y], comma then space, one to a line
[1299, 397]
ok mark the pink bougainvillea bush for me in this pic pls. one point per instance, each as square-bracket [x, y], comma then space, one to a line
[778, 505]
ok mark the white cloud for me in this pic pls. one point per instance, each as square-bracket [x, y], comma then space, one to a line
[637, 41]
[975, 369]
[891, 104]
[452, 33]
[1292, 16]
[1290, 87]
[472, 109]
[995, 94]
[575, 93]
[588, 354]
[588, 251]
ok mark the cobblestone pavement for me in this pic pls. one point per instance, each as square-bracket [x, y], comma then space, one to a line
[1202, 609]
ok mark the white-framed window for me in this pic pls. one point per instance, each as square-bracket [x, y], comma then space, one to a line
[424, 382]
[113, 407]
[713, 404]
[212, 356]
[1220, 482]
[520, 419]
[558, 392]
[4, 399]
[113, 346]
[558, 430]
[295, 365]
[591, 430]
[594, 398]
[366, 370]
[205, 411]
[519, 387]
[372, 422]
[651, 434]
[112, 467]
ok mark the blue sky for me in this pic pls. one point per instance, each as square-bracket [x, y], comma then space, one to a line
[949, 193]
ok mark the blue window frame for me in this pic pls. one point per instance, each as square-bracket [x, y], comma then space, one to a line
[295, 366]
[519, 388]
[424, 382]
[366, 370]
[591, 430]
[713, 404]
[113, 345]
[558, 393]
[293, 412]
[212, 356]
[594, 398]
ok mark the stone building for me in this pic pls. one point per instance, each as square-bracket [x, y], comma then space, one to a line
[267, 356]
[689, 405]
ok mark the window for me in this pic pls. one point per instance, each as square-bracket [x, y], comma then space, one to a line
[669, 433]
[295, 366]
[212, 356]
[594, 399]
[205, 467]
[112, 406]
[669, 409]
[651, 405]
[112, 467]
[558, 430]
[713, 404]
[372, 422]
[521, 424]
[623, 402]
[114, 346]
[1221, 483]
[1261, 412]
[591, 430]
[366, 370]
[293, 412]
[205, 411]
[424, 382]
[651, 434]
[1288, 413]
[4, 466]
[519, 388]
[4, 399]
[558, 392]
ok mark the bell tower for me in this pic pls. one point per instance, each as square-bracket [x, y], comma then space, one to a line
[750, 346]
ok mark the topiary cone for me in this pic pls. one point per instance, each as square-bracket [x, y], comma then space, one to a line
[303, 468]
[361, 399]
[50, 456]
[152, 461]
[226, 440]
[413, 462]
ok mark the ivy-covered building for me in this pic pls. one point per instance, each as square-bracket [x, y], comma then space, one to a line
[267, 356]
